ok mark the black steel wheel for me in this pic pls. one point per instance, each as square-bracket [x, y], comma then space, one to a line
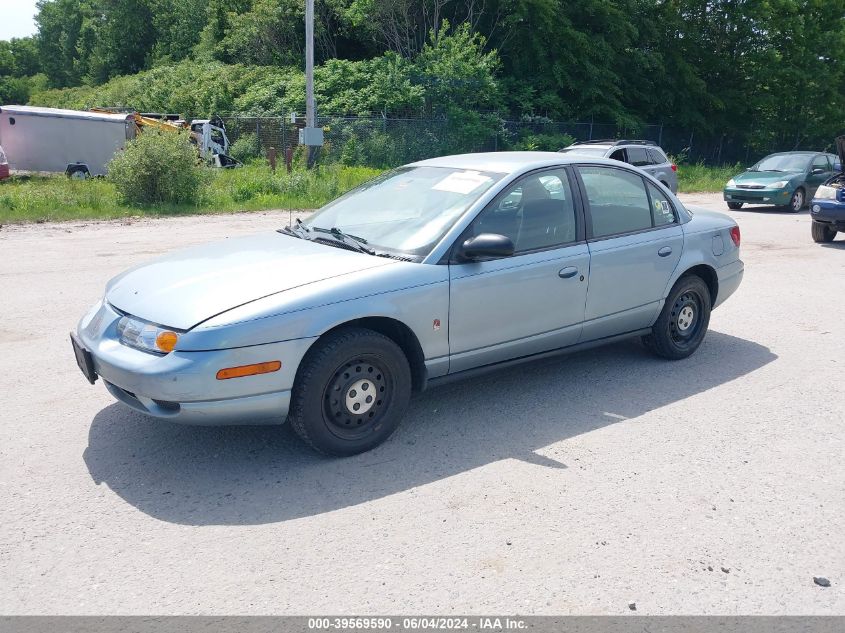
[682, 323]
[350, 392]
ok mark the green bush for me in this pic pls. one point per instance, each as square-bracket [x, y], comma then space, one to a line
[158, 168]
[246, 148]
[543, 142]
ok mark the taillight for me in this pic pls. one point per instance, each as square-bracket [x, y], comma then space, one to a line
[735, 235]
[674, 167]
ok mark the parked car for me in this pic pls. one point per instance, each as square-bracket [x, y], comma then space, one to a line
[434, 271]
[785, 179]
[4, 165]
[828, 206]
[646, 155]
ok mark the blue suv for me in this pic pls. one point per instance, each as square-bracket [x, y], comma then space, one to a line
[827, 208]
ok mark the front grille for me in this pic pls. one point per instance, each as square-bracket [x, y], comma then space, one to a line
[751, 186]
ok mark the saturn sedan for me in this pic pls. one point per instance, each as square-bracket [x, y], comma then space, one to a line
[431, 272]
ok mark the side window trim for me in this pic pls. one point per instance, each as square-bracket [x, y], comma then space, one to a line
[588, 223]
[577, 202]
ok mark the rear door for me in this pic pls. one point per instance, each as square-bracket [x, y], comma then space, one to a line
[635, 244]
[534, 300]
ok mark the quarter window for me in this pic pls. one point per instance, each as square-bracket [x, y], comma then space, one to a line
[661, 207]
[536, 212]
[618, 201]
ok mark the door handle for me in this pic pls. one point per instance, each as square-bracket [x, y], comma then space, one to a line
[665, 251]
[566, 273]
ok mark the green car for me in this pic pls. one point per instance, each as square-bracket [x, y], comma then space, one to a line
[786, 179]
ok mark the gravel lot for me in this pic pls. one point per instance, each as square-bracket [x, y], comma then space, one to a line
[574, 486]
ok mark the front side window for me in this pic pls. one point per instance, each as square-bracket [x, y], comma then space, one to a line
[536, 212]
[820, 162]
[618, 201]
[407, 209]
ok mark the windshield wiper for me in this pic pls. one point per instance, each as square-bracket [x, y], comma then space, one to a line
[353, 241]
[299, 230]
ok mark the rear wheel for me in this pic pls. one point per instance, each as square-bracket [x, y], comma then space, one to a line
[822, 232]
[734, 205]
[682, 323]
[350, 392]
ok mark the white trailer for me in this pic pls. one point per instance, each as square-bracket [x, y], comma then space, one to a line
[77, 143]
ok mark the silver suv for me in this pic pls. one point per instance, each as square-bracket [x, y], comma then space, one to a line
[646, 155]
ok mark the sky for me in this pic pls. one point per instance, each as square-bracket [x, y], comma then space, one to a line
[17, 18]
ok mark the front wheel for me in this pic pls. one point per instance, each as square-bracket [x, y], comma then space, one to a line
[350, 392]
[682, 323]
[796, 202]
[734, 205]
[822, 232]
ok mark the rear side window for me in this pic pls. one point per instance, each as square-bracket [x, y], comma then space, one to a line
[618, 201]
[662, 212]
[638, 156]
[657, 155]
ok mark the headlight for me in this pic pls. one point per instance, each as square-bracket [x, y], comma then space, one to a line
[780, 184]
[731, 183]
[826, 193]
[146, 336]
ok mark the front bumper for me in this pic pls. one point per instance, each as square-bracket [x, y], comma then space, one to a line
[182, 386]
[828, 212]
[757, 196]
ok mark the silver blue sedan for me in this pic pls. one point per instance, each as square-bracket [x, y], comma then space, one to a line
[433, 271]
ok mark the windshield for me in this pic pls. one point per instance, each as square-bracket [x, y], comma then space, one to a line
[408, 209]
[586, 151]
[783, 162]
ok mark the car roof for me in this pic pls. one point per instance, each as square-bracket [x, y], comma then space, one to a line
[506, 162]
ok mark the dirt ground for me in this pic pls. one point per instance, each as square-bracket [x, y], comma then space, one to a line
[574, 486]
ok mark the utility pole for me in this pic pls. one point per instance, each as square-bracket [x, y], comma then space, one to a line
[311, 136]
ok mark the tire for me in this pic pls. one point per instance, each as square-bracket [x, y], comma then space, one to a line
[796, 202]
[682, 323]
[735, 205]
[348, 363]
[77, 172]
[822, 232]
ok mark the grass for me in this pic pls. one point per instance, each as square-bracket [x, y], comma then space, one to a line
[251, 188]
[696, 178]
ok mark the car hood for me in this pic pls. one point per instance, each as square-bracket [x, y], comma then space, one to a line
[764, 177]
[183, 289]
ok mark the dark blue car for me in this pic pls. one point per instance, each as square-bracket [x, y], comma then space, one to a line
[828, 206]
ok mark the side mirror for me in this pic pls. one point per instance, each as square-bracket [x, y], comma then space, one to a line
[818, 170]
[486, 245]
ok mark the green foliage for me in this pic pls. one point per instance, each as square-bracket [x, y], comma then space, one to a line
[158, 168]
[543, 142]
[698, 177]
[252, 187]
[246, 148]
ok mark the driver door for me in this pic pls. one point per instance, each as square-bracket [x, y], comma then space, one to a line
[820, 170]
[532, 301]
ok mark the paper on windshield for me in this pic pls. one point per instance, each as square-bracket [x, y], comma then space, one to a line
[462, 182]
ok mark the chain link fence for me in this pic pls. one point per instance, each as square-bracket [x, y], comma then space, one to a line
[387, 142]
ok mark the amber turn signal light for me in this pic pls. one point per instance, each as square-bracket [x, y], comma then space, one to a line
[249, 370]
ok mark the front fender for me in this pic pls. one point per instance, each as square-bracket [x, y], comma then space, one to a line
[416, 295]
